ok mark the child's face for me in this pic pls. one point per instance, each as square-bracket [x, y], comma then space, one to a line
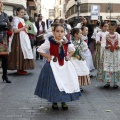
[105, 28]
[79, 35]
[112, 29]
[59, 33]
[85, 31]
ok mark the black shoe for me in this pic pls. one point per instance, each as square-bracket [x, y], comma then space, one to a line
[55, 106]
[91, 76]
[107, 86]
[6, 79]
[64, 106]
[81, 89]
[115, 86]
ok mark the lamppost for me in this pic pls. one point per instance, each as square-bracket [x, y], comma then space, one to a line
[77, 2]
[109, 9]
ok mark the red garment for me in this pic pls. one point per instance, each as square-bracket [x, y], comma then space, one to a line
[68, 36]
[54, 48]
[112, 47]
[112, 41]
[9, 33]
[20, 25]
[86, 41]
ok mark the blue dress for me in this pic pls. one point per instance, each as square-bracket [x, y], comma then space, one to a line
[47, 88]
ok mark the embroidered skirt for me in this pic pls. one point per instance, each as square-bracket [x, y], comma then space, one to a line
[105, 75]
[47, 88]
[16, 59]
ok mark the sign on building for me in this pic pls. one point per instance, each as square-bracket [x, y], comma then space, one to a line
[95, 12]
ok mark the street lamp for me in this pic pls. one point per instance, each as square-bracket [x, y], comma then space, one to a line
[109, 4]
[77, 2]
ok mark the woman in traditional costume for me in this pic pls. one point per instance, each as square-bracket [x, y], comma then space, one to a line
[21, 55]
[58, 81]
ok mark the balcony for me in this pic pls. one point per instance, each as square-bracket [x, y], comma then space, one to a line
[15, 3]
[32, 4]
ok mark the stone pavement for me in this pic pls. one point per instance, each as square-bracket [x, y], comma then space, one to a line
[17, 101]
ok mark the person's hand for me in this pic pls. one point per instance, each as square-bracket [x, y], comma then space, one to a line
[107, 46]
[49, 58]
[117, 47]
[37, 47]
[25, 27]
[67, 57]
[83, 59]
[98, 42]
[6, 23]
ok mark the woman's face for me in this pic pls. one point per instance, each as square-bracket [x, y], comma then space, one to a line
[1, 5]
[85, 31]
[21, 13]
[84, 20]
[57, 22]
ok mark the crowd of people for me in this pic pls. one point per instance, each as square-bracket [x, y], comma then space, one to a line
[69, 54]
[80, 49]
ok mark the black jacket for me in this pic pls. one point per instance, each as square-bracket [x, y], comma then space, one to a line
[4, 22]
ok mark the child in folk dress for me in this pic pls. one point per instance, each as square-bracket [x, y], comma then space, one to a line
[58, 81]
[86, 52]
[99, 35]
[78, 59]
[109, 69]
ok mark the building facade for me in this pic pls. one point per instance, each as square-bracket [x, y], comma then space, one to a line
[85, 9]
[11, 5]
[51, 13]
[60, 8]
[32, 7]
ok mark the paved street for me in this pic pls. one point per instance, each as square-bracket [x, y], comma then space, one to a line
[17, 101]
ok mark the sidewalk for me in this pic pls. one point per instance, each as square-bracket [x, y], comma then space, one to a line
[17, 101]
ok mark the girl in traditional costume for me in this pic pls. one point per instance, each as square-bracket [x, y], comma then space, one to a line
[98, 52]
[58, 81]
[86, 52]
[21, 55]
[109, 68]
[78, 59]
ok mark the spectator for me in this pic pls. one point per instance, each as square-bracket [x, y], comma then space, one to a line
[32, 30]
[42, 29]
[4, 26]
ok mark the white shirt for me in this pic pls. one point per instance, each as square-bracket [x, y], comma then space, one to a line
[99, 35]
[35, 29]
[96, 30]
[41, 28]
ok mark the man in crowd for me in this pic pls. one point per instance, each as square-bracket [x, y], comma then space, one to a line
[42, 28]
